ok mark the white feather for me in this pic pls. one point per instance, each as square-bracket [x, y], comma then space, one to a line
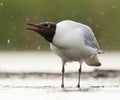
[74, 41]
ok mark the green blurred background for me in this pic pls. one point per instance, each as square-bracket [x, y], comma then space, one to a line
[103, 16]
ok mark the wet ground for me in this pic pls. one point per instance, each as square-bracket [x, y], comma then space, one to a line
[34, 86]
[40, 86]
[35, 76]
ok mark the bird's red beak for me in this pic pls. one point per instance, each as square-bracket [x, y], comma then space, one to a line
[33, 27]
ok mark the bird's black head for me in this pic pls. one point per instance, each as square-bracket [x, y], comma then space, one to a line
[46, 29]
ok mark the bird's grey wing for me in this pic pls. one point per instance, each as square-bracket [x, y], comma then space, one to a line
[90, 39]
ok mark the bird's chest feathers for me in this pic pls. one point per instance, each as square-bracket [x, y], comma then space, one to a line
[69, 44]
[68, 54]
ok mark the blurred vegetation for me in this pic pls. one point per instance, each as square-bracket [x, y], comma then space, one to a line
[103, 16]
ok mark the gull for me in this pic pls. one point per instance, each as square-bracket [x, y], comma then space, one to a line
[71, 41]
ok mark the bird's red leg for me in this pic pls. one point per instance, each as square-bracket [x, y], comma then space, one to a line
[79, 76]
[63, 71]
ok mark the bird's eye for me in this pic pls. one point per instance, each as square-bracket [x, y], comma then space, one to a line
[47, 25]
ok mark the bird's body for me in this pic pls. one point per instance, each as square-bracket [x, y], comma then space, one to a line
[71, 41]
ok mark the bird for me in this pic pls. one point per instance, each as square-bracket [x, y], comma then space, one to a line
[71, 41]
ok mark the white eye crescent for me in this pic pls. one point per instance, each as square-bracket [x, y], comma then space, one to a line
[48, 25]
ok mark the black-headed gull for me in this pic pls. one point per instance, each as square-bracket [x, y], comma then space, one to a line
[70, 40]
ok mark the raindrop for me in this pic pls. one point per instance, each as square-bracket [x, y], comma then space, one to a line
[101, 13]
[11, 16]
[8, 41]
[97, 25]
[27, 19]
[114, 6]
[26, 46]
[53, 7]
[14, 27]
[38, 48]
[1, 4]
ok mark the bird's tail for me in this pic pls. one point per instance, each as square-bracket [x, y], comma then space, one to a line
[93, 61]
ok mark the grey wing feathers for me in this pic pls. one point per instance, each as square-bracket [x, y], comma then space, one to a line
[90, 39]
